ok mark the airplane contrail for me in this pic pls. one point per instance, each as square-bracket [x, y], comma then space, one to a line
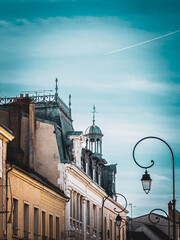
[150, 40]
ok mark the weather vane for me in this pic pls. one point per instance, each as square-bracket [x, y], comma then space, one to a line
[94, 111]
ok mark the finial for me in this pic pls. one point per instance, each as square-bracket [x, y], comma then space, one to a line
[70, 104]
[94, 111]
[56, 88]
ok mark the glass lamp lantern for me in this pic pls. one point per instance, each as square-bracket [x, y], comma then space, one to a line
[146, 182]
[118, 220]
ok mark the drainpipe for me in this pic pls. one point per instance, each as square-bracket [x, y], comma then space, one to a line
[7, 196]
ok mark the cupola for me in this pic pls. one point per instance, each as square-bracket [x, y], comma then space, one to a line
[93, 136]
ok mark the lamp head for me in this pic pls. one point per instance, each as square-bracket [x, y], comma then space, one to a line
[146, 182]
[118, 220]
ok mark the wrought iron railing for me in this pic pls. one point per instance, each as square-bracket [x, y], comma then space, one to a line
[50, 98]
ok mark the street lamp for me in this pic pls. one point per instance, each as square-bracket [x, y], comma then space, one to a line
[119, 218]
[146, 180]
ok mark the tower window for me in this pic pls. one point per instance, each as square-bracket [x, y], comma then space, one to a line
[92, 145]
[98, 145]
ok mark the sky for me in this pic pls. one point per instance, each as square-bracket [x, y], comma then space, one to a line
[122, 56]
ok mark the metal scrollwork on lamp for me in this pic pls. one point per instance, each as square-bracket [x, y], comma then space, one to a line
[158, 219]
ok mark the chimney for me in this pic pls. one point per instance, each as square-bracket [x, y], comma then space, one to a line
[18, 106]
[170, 212]
[32, 163]
[15, 153]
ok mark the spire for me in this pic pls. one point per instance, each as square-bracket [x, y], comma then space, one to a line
[56, 88]
[94, 111]
[70, 104]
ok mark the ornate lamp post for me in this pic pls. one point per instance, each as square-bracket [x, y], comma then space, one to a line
[146, 180]
[118, 218]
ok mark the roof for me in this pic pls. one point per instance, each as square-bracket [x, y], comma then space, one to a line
[74, 133]
[139, 236]
[158, 232]
[146, 215]
[6, 132]
[93, 130]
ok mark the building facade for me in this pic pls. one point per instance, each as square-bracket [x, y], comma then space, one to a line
[46, 145]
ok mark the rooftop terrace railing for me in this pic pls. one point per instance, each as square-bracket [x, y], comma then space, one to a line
[39, 99]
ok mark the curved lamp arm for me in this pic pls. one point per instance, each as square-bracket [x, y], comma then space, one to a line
[125, 203]
[157, 218]
[152, 161]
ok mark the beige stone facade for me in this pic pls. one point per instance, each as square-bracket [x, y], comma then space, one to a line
[33, 207]
[36, 209]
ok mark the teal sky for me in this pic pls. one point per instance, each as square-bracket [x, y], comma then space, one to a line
[136, 91]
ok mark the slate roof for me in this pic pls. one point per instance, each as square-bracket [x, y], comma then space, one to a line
[139, 236]
[76, 133]
[93, 130]
[158, 232]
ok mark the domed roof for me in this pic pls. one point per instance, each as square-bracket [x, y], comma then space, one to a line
[93, 130]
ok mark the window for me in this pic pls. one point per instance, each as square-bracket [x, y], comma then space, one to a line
[105, 228]
[1, 159]
[115, 230]
[81, 208]
[100, 215]
[26, 220]
[92, 148]
[88, 212]
[15, 217]
[95, 216]
[77, 205]
[36, 223]
[71, 204]
[74, 204]
[110, 229]
[87, 144]
[57, 229]
[50, 227]
[43, 225]
[123, 234]
[98, 145]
